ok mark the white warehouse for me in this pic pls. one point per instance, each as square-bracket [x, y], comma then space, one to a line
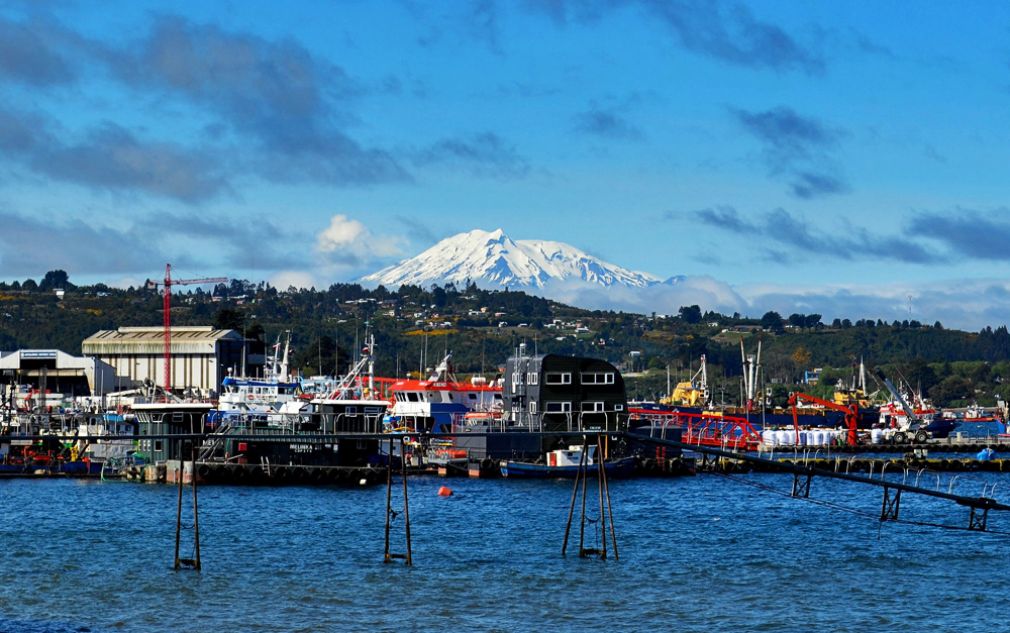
[201, 355]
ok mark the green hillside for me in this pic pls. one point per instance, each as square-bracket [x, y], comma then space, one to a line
[481, 328]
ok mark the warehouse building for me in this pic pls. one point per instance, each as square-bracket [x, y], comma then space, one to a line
[56, 372]
[201, 356]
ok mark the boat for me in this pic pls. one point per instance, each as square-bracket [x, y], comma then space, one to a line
[565, 463]
[440, 401]
[693, 399]
[259, 396]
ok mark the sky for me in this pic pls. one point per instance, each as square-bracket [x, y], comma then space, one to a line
[849, 159]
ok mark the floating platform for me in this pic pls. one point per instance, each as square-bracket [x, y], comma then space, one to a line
[855, 464]
[283, 474]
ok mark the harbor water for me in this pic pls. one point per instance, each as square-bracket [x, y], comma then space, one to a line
[705, 553]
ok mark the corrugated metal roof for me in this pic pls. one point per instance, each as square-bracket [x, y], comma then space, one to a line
[150, 340]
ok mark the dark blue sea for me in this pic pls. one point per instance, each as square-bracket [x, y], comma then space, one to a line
[706, 553]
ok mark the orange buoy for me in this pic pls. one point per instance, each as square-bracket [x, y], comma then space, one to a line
[445, 491]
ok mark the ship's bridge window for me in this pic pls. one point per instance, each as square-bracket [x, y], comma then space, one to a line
[557, 407]
[597, 378]
[558, 378]
[533, 406]
[351, 411]
[592, 407]
[472, 396]
[497, 396]
[532, 378]
[413, 397]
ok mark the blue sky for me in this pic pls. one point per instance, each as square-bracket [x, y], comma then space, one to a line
[848, 159]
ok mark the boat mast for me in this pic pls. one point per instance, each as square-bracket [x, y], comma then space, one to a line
[284, 361]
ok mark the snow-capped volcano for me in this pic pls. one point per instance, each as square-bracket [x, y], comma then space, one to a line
[492, 259]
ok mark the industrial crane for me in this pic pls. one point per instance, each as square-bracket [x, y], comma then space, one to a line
[851, 414]
[167, 294]
[913, 424]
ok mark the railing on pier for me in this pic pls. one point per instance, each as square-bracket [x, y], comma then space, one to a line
[803, 476]
[699, 429]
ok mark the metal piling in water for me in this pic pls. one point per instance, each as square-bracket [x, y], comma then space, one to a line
[605, 521]
[389, 556]
[193, 563]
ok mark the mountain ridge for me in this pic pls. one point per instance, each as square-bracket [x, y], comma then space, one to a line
[491, 259]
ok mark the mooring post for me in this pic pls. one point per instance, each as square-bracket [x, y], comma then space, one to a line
[178, 511]
[389, 497]
[390, 513]
[192, 563]
[196, 514]
[610, 512]
[406, 504]
[600, 477]
[583, 471]
[571, 509]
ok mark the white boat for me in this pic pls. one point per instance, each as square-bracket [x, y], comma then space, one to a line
[261, 396]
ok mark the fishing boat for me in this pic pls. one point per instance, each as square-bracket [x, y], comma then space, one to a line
[441, 400]
[261, 395]
[565, 463]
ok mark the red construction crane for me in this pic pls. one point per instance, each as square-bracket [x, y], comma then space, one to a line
[167, 293]
[851, 414]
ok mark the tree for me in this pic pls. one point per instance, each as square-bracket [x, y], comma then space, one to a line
[55, 280]
[772, 320]
[438, 297]
[801, 358]
[229, 319]
[690, 314]
[29, 285]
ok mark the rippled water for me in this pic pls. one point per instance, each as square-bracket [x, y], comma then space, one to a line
[697, 554]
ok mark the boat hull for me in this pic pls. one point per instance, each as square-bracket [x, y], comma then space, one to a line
[526, 470]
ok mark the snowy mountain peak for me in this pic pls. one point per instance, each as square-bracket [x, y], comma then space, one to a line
[493, 259]
[495, 236]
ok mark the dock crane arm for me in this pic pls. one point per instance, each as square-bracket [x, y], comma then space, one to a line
[909, 412]
[851, 414]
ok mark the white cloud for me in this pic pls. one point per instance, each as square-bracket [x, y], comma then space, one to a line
[968, 304]
[287, 278]
[349, 242]
[665, 298]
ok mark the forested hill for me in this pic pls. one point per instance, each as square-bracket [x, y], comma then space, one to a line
[481, 328]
